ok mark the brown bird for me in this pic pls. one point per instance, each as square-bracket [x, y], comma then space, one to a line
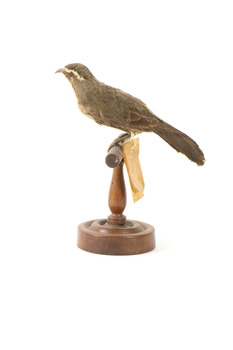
[115, 108]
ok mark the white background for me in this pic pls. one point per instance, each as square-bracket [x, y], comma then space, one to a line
[177, 57]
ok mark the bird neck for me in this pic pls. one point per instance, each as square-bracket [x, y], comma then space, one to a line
[81, 88]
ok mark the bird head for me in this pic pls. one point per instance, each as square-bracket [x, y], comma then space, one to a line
[76, 72]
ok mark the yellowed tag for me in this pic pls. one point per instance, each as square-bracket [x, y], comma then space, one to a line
[130, 154]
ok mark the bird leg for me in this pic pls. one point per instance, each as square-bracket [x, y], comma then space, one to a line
[120, 139]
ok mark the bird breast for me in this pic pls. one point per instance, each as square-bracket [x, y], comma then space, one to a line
[85, 111]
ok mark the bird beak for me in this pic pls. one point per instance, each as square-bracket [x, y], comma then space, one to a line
[59, 71]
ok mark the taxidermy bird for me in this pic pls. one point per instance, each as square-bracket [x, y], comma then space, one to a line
[115, 108]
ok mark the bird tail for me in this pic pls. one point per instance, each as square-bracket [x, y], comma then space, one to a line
[179, 141]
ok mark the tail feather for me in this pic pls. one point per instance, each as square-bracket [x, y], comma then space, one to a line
[179, 141]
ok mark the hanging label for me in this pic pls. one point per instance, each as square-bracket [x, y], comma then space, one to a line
[131, 159]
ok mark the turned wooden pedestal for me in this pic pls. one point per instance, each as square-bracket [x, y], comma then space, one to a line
[116, 235]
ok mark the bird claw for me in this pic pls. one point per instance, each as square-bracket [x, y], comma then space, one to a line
[119, 140]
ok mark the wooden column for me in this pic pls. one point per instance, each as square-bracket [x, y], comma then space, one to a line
[116, 235]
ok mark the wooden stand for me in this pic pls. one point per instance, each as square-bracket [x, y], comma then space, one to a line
[116, 235]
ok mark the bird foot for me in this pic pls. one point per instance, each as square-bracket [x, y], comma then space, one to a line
[120, 140]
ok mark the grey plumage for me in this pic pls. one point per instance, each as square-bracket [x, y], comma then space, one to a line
[112, 107]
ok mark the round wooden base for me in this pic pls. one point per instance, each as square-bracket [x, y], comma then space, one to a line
[98, 236]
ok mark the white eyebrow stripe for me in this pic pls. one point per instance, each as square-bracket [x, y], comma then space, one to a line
[74, 72]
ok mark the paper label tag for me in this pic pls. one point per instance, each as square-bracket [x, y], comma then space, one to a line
[132, 163]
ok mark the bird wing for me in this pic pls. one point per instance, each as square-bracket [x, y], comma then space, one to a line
[123, 111]
[135, 114]
[140, 121]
